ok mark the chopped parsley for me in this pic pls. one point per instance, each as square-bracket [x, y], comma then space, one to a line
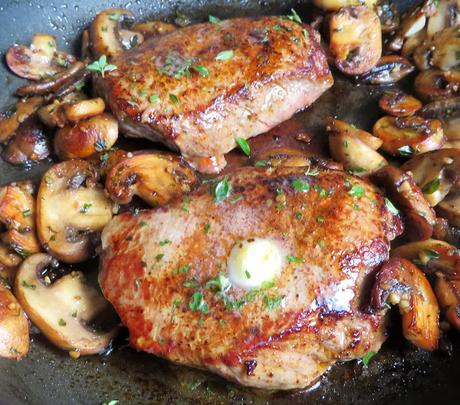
[262, 163]
[225, 55]
[294, 259]
[356, 191]
[182, 269]
[165, 242]
[391, 207]
[247, 274]
[207, 227]
[26, 213]
[61, 322]
[214, 20]
[159, 256]
[320, 219]
[198, 304]
[173, 98]
[430, 254]
[143, 224]
[25, 284]
[85, 208]
[432, 186]
[367, 357]
[243, 144]
[222, 190]
[115, 17]
[154, 98]
[101, 66]
[272, 301]
[301, 185]
[201, 70]
[293, 17]
[220, 283]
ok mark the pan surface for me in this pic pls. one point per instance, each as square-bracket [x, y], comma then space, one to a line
[400, 374]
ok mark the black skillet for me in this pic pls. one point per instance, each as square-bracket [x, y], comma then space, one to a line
[400, 374]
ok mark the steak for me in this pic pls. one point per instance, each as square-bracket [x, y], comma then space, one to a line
[338, 230]
[200, 88]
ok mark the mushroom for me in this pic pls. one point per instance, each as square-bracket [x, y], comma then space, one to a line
[39, 61]
[355, 39]
[80, 110]
[445, 15]
[435, 173]
[434, 255]
[291, 157]
[432, 85]
[63, 310]
[388, 14]
[155, 177]
[339, 126]
[412, 46]
[448, 295]
[407, 136]
[446, 47]
[130, 39]
[399, 104]
[153, 28]
[29, 144]
[104, 32]
[71, 209]
[17, 213]
[23, 110]
[449, 209]
[443, 231]
[356, 156]
[408, 196]
[9, 262]
[401, 283]
[73, 74]
[105, 161]
[86, 137]
[53, 115]
[389, 69]
[14, 327]
[334, 5]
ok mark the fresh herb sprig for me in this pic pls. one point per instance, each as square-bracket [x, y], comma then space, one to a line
[101, 66]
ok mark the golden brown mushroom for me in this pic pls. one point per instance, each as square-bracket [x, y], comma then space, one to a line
[389, 69]
[63, 310]
[155, 177]
[401, 283]
[71, 209]
[399, 104]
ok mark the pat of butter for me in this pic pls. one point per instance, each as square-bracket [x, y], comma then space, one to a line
[253, 262]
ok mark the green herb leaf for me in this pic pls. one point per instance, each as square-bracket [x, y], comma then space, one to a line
[85, 208]
[159, 256]
[173, 98]
[154, 98]
[262, 163]
[214, 20]
[182, 20]
[432, 186]
[207, 227]
[182, 269]
[143, 224]
[198, 304]
[26, 213]
[165, 242]
[25, 284]
[430, 254]
[367, 357]
[272, 301]
[220, 283]
[61, 322]
[406, 150]
[225, 55]
[243, 144]
[294, 17]
[247, 274]
[222, 190]
[301, 185]
[201, 70]
[391, 207]
[115, 17]
[101, 66]
[294, 259]
[356, 191]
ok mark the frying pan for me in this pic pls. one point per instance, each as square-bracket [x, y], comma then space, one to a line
[400, 374]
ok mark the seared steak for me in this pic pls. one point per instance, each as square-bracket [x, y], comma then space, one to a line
[334, 233]
[199, 88]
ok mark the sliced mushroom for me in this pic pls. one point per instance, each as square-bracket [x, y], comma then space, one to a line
[423, 54]
[105, 161]
[63, 310]
[104, 32]
[130, 39]
[155, 177]
[413, 45]
[354, 154]
[389, 69]
[407, 136]
[23, 110]
[446, 48]
[448, 295]
[399, 104]
[17, 213]
[449, 209]
[432, 85]
[399, 282]
[338, 126]
[153, 28]
[434, 255]
[9, 262]
[435, 173]
[80, 110]
[14, 327]
[388, 14]
[29, 144]
[40, 61]
[355, 39]
[86, 137]
[446, 15]
[71, 209]
[407, 195]
[53, 115]
[74, 73]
